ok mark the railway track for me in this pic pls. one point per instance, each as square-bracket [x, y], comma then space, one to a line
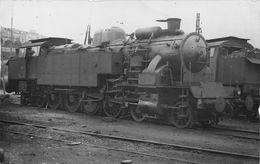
[237, 130]
[233, 132]
[103, 147]
[129, 139]
[242, 133]
[227, 131]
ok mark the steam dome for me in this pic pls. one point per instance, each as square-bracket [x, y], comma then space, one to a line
[104, 36]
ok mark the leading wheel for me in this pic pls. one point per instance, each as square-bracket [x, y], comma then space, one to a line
[72, 102]
[137, 114]
[181, 117]
[54, 100]
[112, 108]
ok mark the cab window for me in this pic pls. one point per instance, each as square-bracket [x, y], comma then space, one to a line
[230, 50]
[21, 52]
[212, 51]
[36, 51]
[43, 51]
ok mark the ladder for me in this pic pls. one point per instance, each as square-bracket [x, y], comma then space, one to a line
[134, 69]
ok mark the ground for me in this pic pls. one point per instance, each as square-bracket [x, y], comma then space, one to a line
[63, 147]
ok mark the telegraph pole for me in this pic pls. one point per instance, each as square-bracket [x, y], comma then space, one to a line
[2, 79]
[12, 40]
[1, 47]
[1, 62]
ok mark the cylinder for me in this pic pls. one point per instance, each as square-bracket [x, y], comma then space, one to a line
[148, 106]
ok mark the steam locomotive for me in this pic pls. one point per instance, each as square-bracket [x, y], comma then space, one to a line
[158, 74]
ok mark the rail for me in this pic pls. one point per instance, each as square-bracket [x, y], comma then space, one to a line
[129, 139]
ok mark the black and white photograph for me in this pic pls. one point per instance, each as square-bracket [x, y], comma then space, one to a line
[129, 82]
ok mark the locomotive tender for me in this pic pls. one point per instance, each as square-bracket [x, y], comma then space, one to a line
[160, 74]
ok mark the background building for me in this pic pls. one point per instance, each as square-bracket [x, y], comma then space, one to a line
[11, 39]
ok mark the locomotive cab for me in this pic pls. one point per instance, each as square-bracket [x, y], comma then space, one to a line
[22, 69]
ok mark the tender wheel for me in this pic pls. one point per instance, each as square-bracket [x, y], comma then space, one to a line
[251, 107]
[54, 100]
[181, 117]
[72, 102]
[137, 114]
[249, 103]
[111, 108]
[230, 110]
[24, 99]
[41, 100]
[91, 107]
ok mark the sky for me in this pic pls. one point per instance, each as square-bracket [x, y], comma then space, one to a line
[69, 18]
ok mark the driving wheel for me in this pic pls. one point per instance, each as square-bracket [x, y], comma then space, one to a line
[72, 102]
[91, 107]
[112, 108]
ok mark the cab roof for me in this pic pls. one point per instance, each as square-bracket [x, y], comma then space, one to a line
[53, 40]
[50, 41]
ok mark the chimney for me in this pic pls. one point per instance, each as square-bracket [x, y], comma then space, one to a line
[172, 23]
